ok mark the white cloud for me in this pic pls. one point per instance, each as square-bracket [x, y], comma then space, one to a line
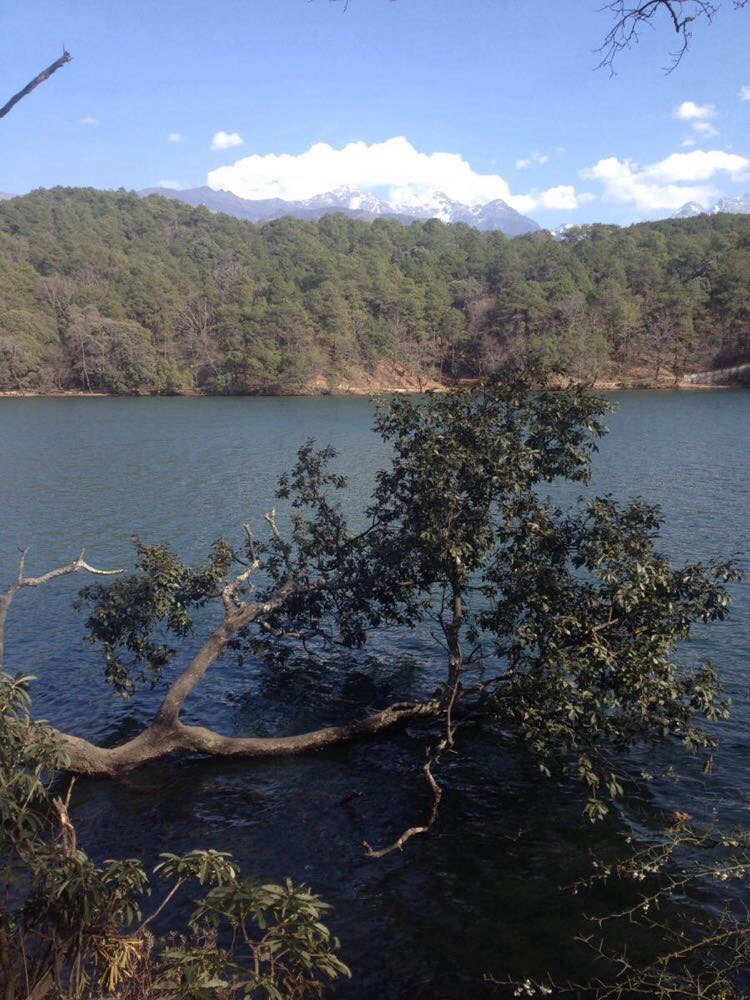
[690, 111]
[226, 140]
[175, 137]
[667, 184]
[700, 165]
[89, 120]
[705, 128]
[563, 198]
[744, 94]
[393, 169]
[171, 185]
[532, 159]
[688, 141]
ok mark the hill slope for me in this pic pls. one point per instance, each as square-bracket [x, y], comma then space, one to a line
[106, 291]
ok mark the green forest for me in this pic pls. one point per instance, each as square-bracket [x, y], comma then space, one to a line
[105, 291]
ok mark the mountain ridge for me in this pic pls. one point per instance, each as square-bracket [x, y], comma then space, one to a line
[495, 215]
[737, 205]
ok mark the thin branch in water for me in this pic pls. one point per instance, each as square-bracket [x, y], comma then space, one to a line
[413, 831]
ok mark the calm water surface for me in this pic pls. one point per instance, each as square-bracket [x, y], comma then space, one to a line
[481, 893]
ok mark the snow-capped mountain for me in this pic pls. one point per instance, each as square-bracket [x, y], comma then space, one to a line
[348, 198]
[495, 215]
[739, 205]
[689, 210]
[560, 232]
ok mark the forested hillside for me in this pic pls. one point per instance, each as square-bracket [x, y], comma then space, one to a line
[105, 291]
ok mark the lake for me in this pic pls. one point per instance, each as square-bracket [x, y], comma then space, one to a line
[481, 894]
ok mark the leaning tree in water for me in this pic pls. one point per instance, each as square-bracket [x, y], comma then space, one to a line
[558, 624]
[561, 624]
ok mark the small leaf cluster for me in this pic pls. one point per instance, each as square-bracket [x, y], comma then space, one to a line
[279, 933]
[29, 755]
[134, 617]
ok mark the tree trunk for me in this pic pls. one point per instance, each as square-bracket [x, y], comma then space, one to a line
[161, 739]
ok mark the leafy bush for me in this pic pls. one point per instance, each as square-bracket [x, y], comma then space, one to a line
[72, 929]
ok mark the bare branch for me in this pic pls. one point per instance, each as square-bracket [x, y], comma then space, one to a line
[22, 580]
[33, 84]
[235, 619]
[414, 831]
[228, 594]
[286, 551]
[67, 830]
[630, 20]
[72, 567]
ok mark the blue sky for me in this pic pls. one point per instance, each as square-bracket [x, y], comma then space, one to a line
[493, 83]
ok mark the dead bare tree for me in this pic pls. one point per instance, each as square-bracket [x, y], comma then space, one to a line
[195, 320]
[33, 84]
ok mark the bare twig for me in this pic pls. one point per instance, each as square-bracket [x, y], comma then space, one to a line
[228, 594]
[67, 830]
[413, 831]
[33, 84]
[632, 18]
[22, 580]
[167, 899]
[286, 552]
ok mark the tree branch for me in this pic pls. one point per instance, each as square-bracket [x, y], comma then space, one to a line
[228, 593]
[631, 18]
[414, 831]
[234, 620]
[22, 580]
[33, 84]
[160, 740]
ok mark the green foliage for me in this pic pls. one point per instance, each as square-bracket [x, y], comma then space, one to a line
[72, 929]
[463, 457]
[560, 625]
[134, 618]
[28, 753]
[107, 291]
[587, 614]
[111, 355]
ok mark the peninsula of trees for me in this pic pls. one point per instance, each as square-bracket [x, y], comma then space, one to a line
[109, 292]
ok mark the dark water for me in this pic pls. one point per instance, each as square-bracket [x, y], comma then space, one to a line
[481, 894]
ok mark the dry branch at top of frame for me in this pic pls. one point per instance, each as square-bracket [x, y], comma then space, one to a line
[33, 84]
[631, 18]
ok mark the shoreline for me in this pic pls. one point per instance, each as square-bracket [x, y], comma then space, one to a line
[601, 385]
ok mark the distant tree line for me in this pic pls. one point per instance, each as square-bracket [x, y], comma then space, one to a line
[106, 291]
